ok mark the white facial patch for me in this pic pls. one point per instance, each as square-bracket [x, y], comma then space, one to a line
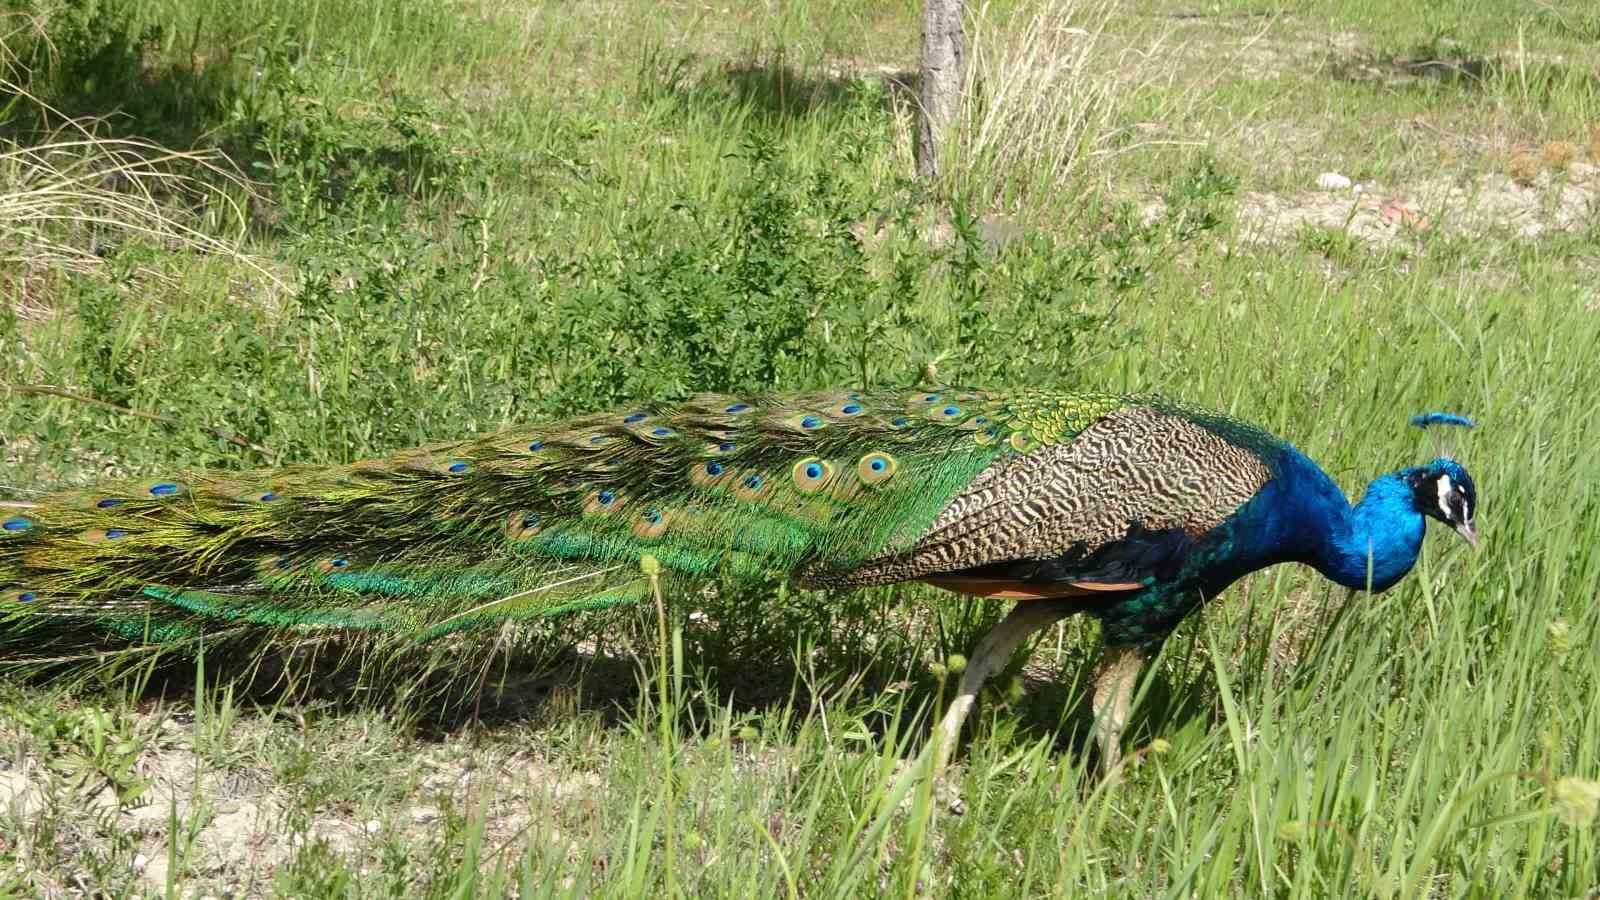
[1445, 487]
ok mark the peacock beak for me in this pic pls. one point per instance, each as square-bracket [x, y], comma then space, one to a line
[1468, 531]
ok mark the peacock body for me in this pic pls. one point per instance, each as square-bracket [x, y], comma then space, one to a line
[1134, 510]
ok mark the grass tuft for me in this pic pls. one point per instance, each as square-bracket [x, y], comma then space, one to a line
[71, 197]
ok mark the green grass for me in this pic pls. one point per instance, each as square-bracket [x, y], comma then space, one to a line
[487, 212]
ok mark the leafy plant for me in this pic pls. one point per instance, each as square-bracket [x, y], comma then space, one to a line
[79, 48]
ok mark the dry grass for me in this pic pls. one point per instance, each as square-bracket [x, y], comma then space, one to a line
[18, 26]
[66, 199]
[1052, 92]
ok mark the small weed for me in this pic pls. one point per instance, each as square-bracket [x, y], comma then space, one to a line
[1195, 199]
[91, 747]
[1338, 245]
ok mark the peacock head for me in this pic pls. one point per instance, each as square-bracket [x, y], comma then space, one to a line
[1443, 490]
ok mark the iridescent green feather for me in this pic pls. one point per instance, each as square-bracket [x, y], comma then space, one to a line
[517, 525]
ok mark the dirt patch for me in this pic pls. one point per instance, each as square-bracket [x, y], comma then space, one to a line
[1550, 201]
[231, 825]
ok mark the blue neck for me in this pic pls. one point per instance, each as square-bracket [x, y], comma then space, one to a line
[1373, 544]
[1379, 540]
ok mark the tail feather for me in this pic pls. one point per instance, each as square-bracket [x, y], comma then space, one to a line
[511, 527]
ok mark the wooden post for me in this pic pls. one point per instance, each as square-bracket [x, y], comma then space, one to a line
[944, 68]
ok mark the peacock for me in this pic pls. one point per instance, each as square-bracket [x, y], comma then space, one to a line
[1133, 509]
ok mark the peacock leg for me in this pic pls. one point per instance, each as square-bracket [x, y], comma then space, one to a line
[1026, 618]
[1114, 682]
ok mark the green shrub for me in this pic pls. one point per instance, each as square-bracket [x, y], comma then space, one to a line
[73, 48]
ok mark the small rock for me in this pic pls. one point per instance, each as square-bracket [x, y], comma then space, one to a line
[1402, 214]
[155, 872]
[423, 815]
[372, 826]
[1333, 181]
[140, 861]
[19, 794]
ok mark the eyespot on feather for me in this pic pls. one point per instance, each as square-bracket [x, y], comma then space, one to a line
[811, 475]
[609, 464]
[102, 535]
[876, 468]
[602, 500]
[1021, 442]
[752, 486]
[805, 421]
[709, 473]
[522, 525]
[275, 565]
[651, 523]
[737, 408]
[333, 564]
[458, 467]
[164, 489]
[20, 596]
[15, 525]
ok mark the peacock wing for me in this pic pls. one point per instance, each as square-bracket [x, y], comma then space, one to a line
[1115, 507]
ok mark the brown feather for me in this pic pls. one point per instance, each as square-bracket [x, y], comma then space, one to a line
[999, 589]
